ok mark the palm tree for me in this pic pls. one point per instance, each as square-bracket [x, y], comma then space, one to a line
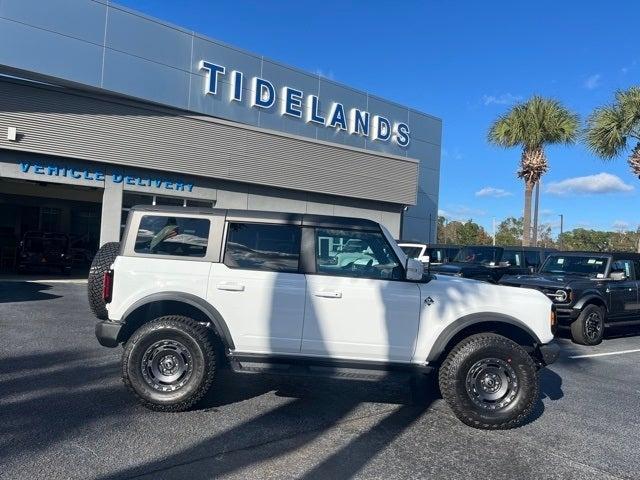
[610, 129]
[532, 125]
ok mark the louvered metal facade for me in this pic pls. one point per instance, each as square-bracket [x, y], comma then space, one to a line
[54, 122]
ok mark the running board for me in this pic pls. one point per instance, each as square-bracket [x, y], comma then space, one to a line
[313, 367]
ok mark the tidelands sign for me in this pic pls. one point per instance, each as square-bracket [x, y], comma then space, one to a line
[295, 103]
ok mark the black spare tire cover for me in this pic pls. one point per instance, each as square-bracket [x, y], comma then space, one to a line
[101, 263]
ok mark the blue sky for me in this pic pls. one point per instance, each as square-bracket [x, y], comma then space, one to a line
[465, 62]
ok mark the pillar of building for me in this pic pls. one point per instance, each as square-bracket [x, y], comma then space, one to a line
[111, 213]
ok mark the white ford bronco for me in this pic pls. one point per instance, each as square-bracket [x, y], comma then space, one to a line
[189, 291]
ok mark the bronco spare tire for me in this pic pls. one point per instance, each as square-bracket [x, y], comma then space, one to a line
[101, 263]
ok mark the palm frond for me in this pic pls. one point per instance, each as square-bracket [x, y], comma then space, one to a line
[606, 131]
[609, 128]
[535, 123]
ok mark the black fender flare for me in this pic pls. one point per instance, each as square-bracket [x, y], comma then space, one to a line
[214, 316]
[587, 298]
[461, 323]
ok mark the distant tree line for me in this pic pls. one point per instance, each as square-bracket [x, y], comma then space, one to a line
[510, 232]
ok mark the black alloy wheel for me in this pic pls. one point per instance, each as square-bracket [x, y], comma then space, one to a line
[169, 363]
[490, 382]
[588, 328]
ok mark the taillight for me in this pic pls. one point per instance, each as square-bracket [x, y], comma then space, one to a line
[107, 286]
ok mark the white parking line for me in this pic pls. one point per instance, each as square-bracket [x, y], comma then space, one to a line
[621, 352]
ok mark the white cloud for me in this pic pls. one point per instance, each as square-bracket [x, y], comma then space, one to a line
[599, 184]
[492, 192]
[626, 68]
[593, 81]
[547, 212]
[455, 154]
[326, 74]
[621, 225]
[461, 212]
[502, 99]
[581, 224]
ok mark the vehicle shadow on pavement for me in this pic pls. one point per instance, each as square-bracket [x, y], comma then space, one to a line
[314, 407]
[550, 384]
[47, 398]
[24, 292]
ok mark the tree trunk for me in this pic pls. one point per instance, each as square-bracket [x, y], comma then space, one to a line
[634, 160]
[534, 242]
[526, 224]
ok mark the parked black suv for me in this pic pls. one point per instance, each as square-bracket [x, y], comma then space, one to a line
[591, 291]
[491, 263]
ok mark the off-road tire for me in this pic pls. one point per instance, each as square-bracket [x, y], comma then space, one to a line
[195, 337]
[453, 382]
[100, 264]
[579, 326]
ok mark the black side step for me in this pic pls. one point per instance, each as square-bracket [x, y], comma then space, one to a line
[313, 367]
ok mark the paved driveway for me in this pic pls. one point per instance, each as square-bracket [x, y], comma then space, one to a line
[65, 414]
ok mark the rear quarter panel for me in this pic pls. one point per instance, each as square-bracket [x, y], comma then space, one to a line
[138, 277]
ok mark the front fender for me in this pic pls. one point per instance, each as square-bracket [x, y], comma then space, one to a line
[590, 297]
[467, 321]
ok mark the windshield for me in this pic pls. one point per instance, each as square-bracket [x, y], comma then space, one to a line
[479, 255]
[587, 266]
[412, 252]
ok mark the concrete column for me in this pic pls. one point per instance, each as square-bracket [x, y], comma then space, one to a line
[111, 213]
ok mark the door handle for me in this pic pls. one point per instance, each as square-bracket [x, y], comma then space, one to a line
[231, 287]
[328, 294]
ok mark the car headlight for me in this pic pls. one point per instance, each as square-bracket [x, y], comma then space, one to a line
[560, 296]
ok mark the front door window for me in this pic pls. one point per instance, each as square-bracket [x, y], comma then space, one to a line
[352, 253]
[624, 293]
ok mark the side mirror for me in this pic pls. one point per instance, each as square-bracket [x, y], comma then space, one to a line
[414, 270]
[618, 275]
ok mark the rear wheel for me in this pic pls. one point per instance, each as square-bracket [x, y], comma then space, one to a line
[490, 382]
[169, 363]
[588, 328]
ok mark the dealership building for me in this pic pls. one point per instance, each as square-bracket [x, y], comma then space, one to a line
[103, 108]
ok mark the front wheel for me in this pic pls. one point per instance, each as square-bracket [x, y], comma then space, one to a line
[169, 363]
[588, 328]
[490, 382]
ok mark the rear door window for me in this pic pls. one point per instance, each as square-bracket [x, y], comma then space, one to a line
[172, 236]
[262, 246]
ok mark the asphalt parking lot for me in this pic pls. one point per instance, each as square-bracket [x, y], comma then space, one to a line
[64, 413]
